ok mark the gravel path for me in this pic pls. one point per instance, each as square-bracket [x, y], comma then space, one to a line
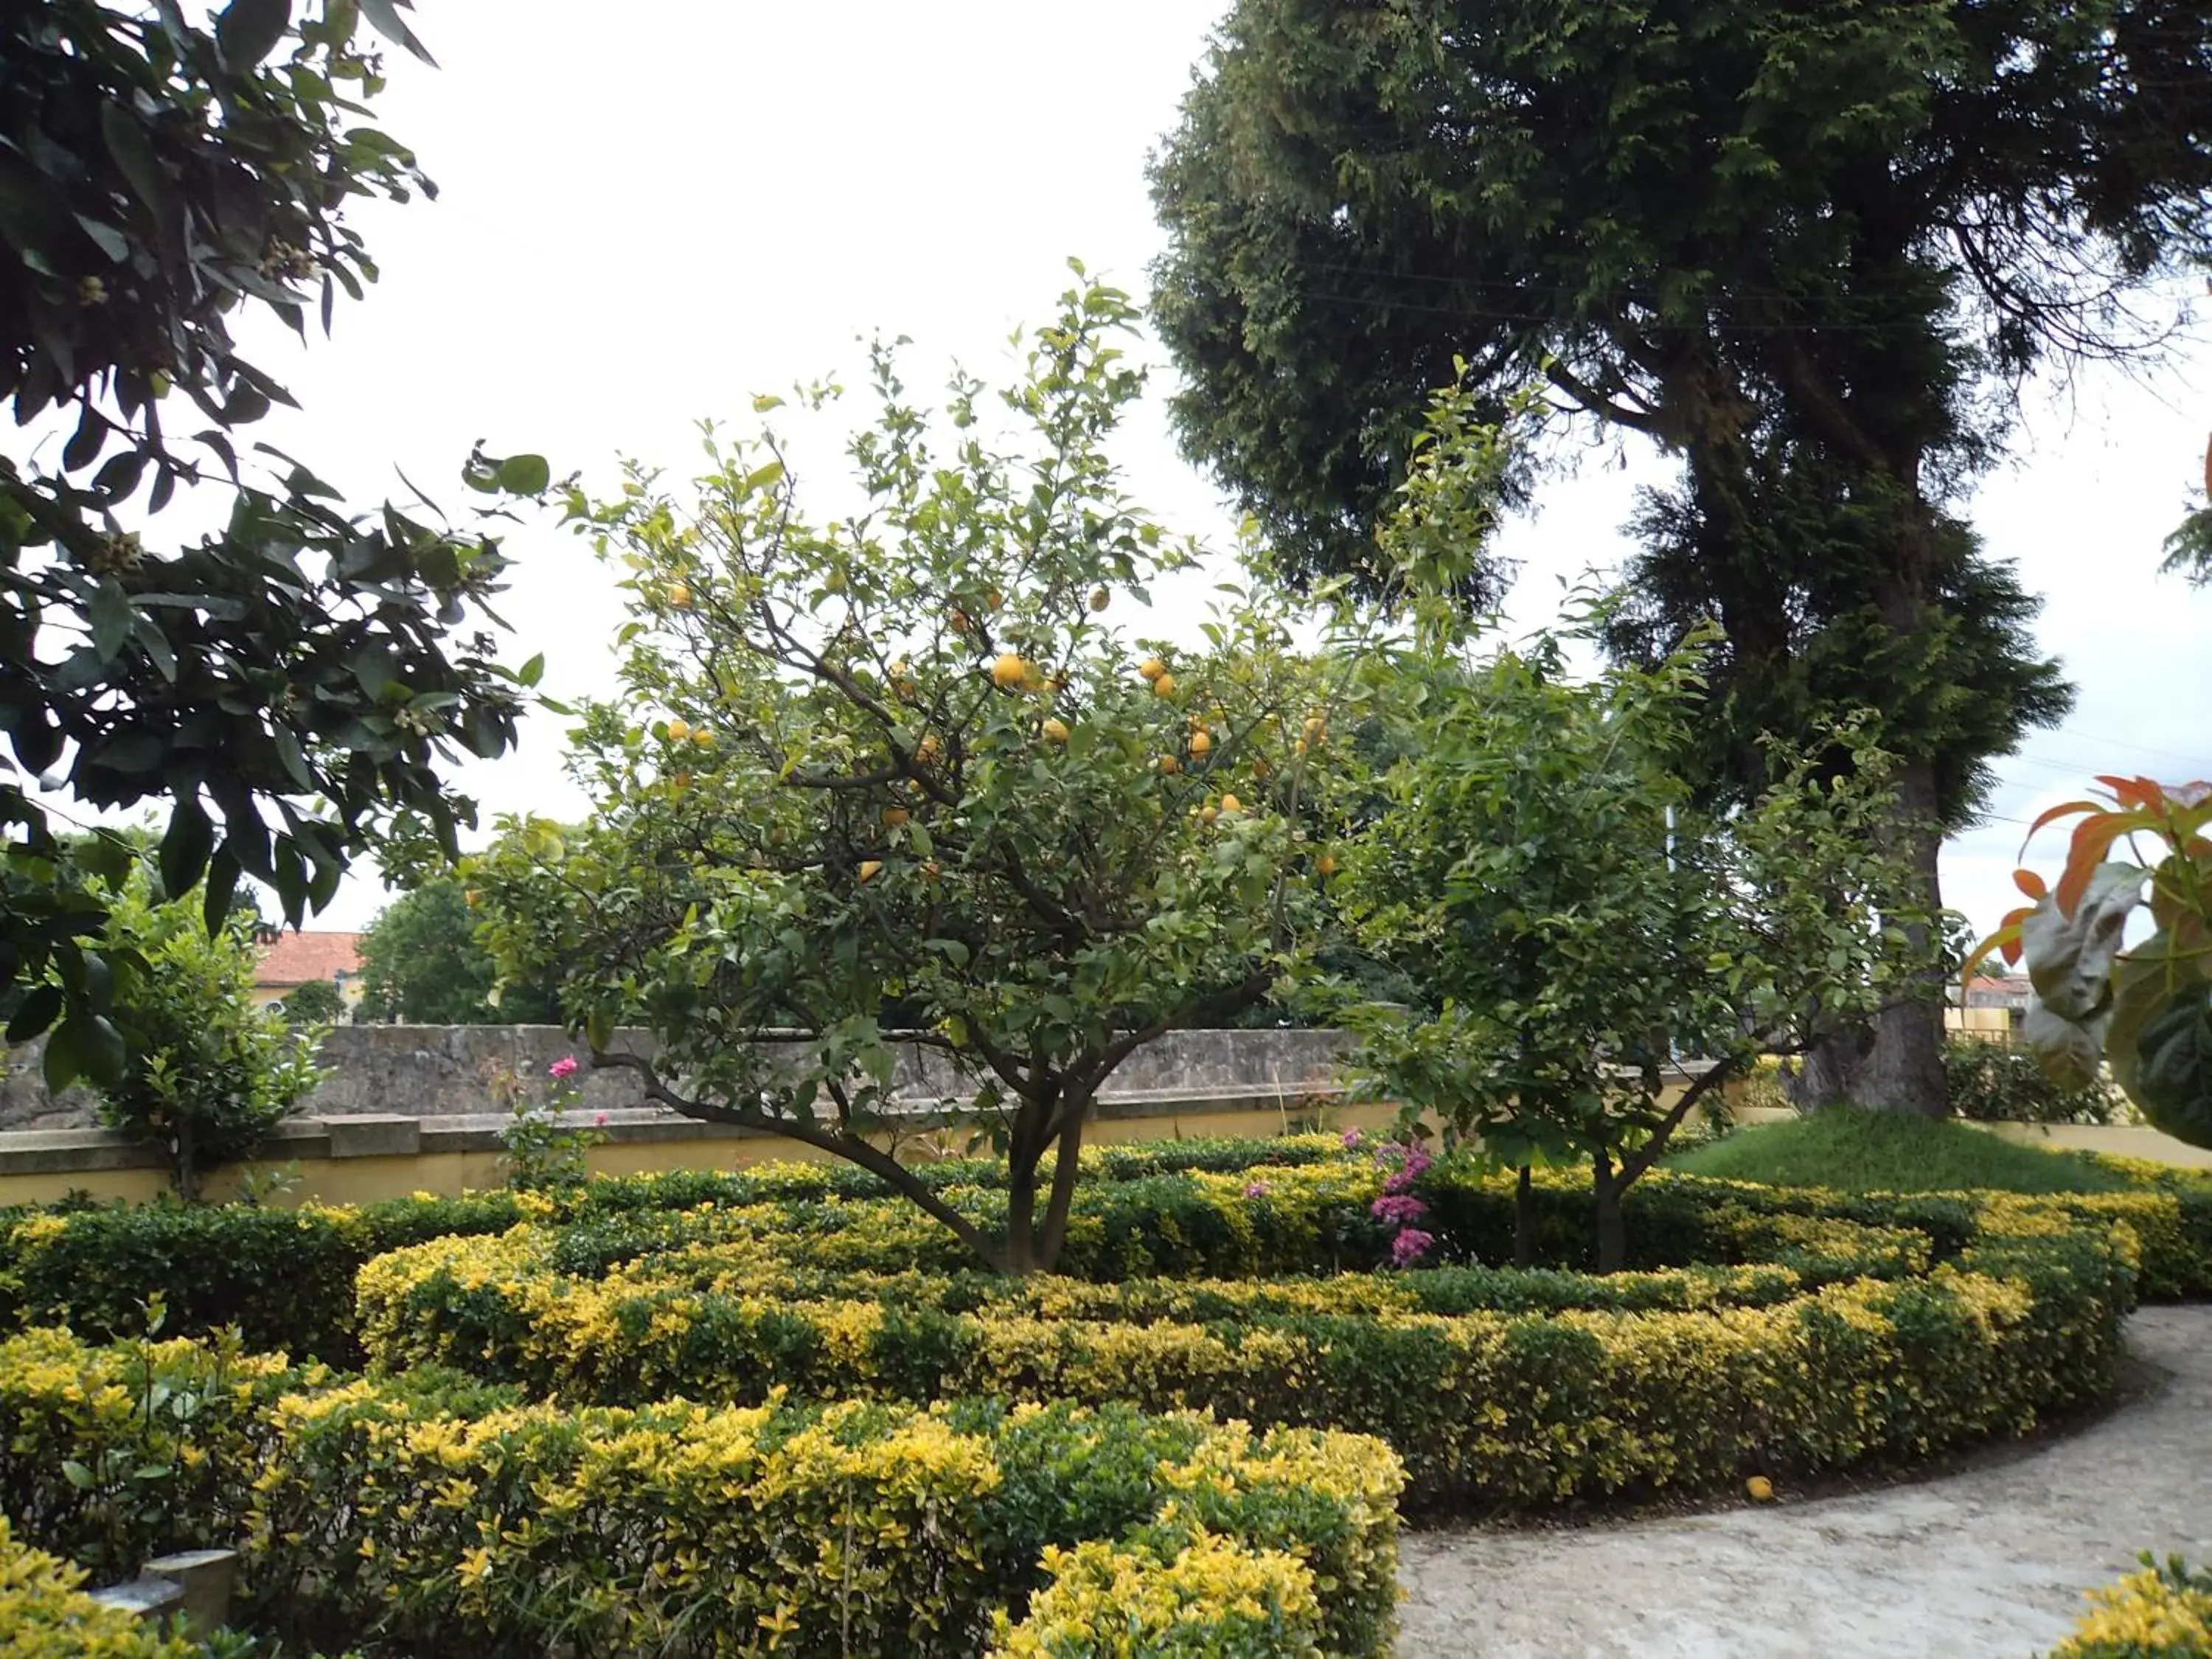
[1986, 1563]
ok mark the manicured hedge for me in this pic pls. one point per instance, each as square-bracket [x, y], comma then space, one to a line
[284, 1278]
[45, 1613]
[434, 1522]
[1176, 1210]
[2164, 1612]
[1490, 1409]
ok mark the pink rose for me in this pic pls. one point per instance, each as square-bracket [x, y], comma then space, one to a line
[561, 1068]
[599, 1118]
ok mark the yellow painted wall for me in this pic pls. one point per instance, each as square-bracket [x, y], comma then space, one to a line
[364, 1180]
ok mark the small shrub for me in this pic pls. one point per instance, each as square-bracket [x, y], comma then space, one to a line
[2164, 1612]
[544, 1150]
[208, 1074]
[1996, 1082]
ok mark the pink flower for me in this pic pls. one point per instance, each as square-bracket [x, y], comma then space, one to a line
[599, 1118]
[561, 1068]
[1351, 1139]
[1258, 1189]
[1397, 1208]
[1410, 1246]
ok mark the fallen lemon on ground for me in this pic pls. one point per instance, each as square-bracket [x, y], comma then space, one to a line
[1760, 1488]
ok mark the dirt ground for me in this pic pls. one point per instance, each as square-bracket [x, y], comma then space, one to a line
[1986, 1562]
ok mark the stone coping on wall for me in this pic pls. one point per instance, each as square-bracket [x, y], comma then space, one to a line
[389, 1135]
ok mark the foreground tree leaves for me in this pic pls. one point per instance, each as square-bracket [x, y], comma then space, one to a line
[2145, 1011]
[289, 683]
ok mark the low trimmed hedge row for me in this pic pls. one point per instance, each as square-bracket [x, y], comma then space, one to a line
[1489, 1409]
[284, 1277]
[400, 1515]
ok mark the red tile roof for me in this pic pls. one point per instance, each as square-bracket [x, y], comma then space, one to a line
[296, 958]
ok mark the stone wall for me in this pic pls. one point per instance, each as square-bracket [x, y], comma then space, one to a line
[445, 1071]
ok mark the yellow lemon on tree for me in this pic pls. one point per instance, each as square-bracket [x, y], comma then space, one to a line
[1009, 672]
[1207, 814]
[1760, 1488]
[1315, 728]
[703, 736]
[895, 816]
[1151, 668]
[1170, 765]
[1163, 686]
[679, 781]
[869, 867]
[1100, 598]
[679, 596]
[928, 749]
[1230, 804]
[1055, 731]
[679, 731]
[1200, 743]
[1326, 864]
[471, 898]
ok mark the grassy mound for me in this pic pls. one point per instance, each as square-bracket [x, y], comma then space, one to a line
[1865, 1151]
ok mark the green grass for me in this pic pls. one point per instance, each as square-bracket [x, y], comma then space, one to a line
[1889, 1151]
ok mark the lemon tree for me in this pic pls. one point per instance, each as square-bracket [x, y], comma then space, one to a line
[899, 807]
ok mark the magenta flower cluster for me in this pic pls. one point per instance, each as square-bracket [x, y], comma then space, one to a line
[561, 1068]
[1258, 1189]
[1396, 1206]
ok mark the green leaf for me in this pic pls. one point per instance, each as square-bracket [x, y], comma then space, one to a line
[110, 616]
[248, 30]
[384, 17]
[222, 874]
[185, 846]
[76, 1474]
[37, 1012]
[524, 475]
[106, 1053]
[2174, 1080]
[533, 670]
[134, 157]
[66, 1048]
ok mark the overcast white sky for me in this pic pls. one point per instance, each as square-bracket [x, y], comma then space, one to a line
[651, 211]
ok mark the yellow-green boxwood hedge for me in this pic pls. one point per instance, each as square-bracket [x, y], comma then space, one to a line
[1875, 1329]
[45, 1613]
[2163, 1612]
[283, 1277]
[418, 1515]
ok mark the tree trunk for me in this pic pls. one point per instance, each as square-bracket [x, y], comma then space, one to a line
[1903, 1072]
[1525, 1220]
[1611, 1233]
[1021, 1211]
[1067, 1170]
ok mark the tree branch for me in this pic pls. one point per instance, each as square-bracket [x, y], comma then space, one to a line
[1649, 1152]
[850, 1147]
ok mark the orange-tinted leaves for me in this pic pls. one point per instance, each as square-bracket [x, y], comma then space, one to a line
[2030, 884]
